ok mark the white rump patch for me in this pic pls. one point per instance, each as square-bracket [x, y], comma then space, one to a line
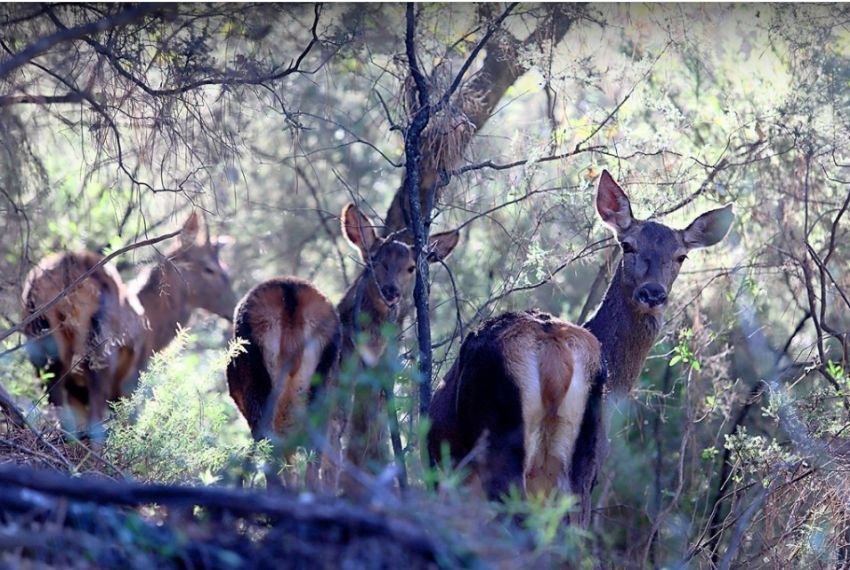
[571, 411]
[528, 376]
[556, 437]
[270, 347]
[289, 384]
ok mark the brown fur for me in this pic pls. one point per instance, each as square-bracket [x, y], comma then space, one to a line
[372, 301]
[98, 338]
[284, 317]
[97, 327]
[293, 333]
[534, 384]
[540, 354]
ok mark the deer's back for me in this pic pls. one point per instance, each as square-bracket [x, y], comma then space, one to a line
[97, 317]
[288, 325]
[513, 376]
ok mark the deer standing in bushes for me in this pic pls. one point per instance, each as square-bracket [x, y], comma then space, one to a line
[99, 337]
[296, 341]
[291, 357]
[373, 300]
[532, 384]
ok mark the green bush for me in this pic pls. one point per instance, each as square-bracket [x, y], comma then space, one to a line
[180, 425]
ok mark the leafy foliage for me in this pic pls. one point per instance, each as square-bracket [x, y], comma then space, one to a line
[179, 424]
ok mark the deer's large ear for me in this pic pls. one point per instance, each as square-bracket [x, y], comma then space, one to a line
[709, 228]
[613, 204]
[441, 245]
[358, 229]
[191, 229]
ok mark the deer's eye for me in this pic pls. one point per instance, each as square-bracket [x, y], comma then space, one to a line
[681, 258]
[209, 269]
[411, 269]
[627, 247]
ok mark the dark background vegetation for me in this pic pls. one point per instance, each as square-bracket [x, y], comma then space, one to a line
[117, 120]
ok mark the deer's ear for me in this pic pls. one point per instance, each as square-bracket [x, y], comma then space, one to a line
[613, 204]
[441, 245]
[358, 229]
[709, 228]
[191, 229]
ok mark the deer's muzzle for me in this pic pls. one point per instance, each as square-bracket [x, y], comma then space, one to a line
[651, 295]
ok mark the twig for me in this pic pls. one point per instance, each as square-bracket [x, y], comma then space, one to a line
[740, 527]
[496, 166]
[70, 97]
[590, 249]
[7, 404]
[66, 34]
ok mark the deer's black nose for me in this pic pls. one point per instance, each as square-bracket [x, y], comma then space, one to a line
[652, 295]
[391, 293]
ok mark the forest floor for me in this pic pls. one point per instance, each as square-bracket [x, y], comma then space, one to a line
[64, 506]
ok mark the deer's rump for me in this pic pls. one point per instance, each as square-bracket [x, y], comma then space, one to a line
[97, 325]
[293, 334]
[523, 379]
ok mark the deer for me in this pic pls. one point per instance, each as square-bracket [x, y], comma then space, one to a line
[293, 342]
[374, 299]
[297, 341]
[526, 391]
[98, 338]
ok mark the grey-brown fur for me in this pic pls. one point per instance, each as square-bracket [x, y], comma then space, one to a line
[631, 314]
[373, 300]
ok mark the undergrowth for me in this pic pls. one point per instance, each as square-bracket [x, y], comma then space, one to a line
[180, 424]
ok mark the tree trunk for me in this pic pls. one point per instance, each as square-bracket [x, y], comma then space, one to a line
[476, 99]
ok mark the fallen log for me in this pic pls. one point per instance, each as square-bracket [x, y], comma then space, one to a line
[208, 527]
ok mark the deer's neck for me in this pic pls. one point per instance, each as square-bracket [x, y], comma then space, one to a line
[626, 335]
[360, 312]
[165, 297]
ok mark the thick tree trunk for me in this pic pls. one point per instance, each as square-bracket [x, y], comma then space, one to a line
[476, 99]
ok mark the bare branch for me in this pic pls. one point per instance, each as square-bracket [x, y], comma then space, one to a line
[67, 34]
[496, 166]
[225, 78]
[70, 97]
[491, 29]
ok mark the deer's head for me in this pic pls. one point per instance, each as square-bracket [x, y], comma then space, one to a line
[390, 263]
[652, 252]
[206, 278]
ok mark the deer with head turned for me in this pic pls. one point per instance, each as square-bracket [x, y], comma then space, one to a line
[99, 337]
[532, 384]
[296, 340]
